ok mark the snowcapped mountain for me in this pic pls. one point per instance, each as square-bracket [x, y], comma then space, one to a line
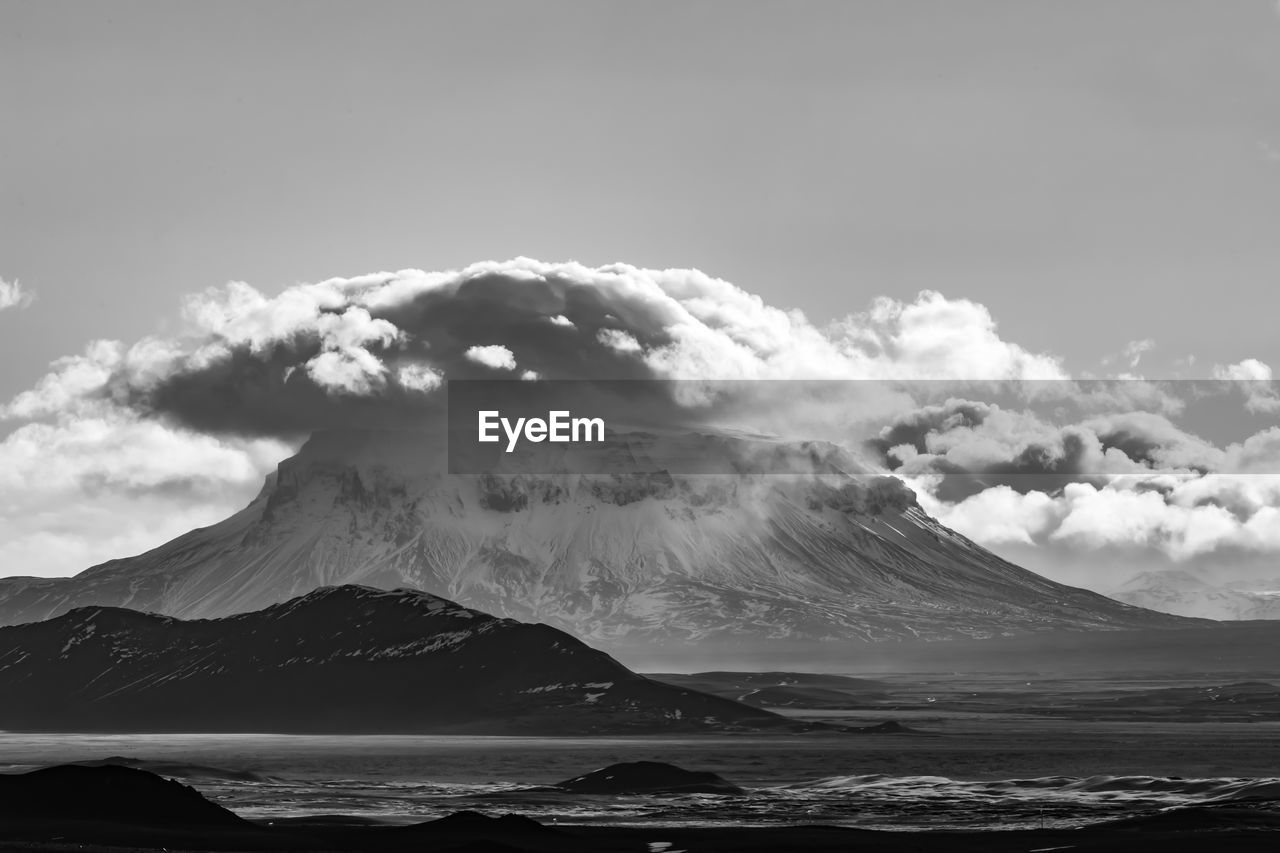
[339, 659]
[791, 540]
[1182, 593]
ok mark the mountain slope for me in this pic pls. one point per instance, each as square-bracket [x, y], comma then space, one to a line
[792, 541]
[339, 659]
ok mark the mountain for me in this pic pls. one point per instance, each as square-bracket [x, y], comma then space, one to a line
[1183, 594]
[793, 541]
[339, 659]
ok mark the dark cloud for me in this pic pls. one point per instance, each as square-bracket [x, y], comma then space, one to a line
[252, 389]
[1155, 442]
[973, 445]
[1039, 467]
[914, 428]
[1035, 468]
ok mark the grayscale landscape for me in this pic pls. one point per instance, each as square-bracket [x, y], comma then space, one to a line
[677, 427]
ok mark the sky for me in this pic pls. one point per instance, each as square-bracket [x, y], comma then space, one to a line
[1093, 184]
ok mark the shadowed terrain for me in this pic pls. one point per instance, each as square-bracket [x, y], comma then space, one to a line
[340, 659]
[102, 808]
[1129, 696]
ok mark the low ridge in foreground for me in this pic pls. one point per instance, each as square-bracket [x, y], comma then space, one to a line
[340, 659]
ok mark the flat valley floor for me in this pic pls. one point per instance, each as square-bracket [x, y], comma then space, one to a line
[1003, 751]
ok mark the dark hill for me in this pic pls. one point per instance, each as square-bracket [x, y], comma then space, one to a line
[109, 793]
[340, 659]
[647, 777]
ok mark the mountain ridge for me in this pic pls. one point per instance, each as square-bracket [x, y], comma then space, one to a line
[339, 659]
[1182, 593]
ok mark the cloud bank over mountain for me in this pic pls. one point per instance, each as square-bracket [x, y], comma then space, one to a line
[364, 350]
[191, 421]
[1123, 483]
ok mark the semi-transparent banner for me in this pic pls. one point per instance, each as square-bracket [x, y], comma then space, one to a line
[994, 431]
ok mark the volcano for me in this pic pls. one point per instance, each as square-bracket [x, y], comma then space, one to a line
[788, 541]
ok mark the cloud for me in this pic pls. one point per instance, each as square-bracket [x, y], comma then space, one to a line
[496, 356]
[1134, 350]
[1255, 380]
[114, 451]
[619, 341]
[418, 377]
[936, 337]
[192, 420]
[1249, 370]
[1131, 355]
[247, 375]
[1086, 518]
[1180, 513]
[353, 371]
[12, 295]
[1127, 482]
[107, 484]
[359, 351]
[999, 515]
[1153, 441]
[965, 447]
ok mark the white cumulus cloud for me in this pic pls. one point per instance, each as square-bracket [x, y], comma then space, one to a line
[495, 355]
[1255, 379]
[98, 485]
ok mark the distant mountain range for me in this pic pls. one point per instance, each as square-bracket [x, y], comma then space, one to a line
[339, 659]
[784, 689]
[1184, 594]
[793, 541]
